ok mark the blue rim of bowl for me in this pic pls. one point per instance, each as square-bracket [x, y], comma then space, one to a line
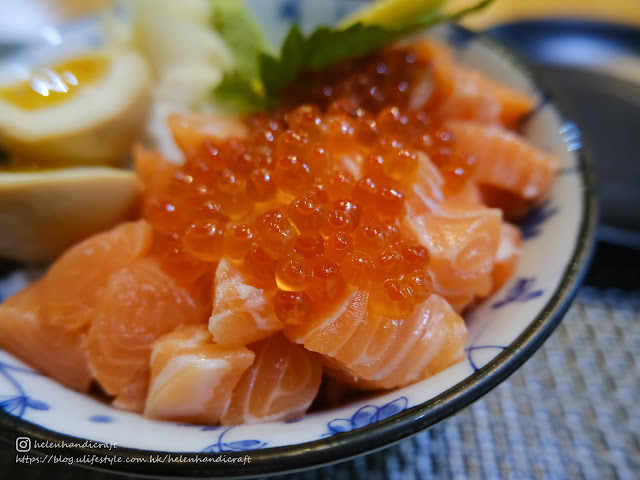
[384, 433]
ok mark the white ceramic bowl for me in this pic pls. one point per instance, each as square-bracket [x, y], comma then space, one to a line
[503, 332]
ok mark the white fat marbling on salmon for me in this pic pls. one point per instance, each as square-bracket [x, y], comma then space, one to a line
[378, 352]
[507, 248]
[463, 240]
[426, 192]
[242, 313]
[185, 385]
[423, 332]
[253, 299]
[331, 317]
[398, 352]
[192, 378]
[353, 164]
[181, 344]
[422, 91]
[281, 383]
[505, 160]
[446, 242]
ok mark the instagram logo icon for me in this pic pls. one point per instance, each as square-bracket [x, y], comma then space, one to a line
[23, 444]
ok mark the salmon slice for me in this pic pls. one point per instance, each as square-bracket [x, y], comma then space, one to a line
[154, 170]
[469, 193]
[387, 353]
[505, 160]
[46, 323]
[471, 100]
[280, 384]
[242, 313]
[134, 395]
[437, 83]
[139, 304]
[53, 350]
[514, 207]
[507, 255]
[190, 130]
[375, 352]
[426, 192]
[515, 104]
[463, 240]
[191, 377]
[163, 200]
[327, 331]
[479, 99]
[85, 268]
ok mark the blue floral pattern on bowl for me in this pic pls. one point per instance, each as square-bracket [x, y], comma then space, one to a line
[236, 446]
[18, 403]
[367, 415]
[521, 291]
[531, 224]
[470, 350]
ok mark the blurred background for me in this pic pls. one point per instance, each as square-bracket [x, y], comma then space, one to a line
[26, 14]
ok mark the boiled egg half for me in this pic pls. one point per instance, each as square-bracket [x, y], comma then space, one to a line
[85, 110]
[44, 212]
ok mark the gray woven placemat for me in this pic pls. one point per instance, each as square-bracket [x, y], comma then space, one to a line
[572, 411]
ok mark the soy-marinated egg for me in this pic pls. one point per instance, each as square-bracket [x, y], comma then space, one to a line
[44, 212]
[84, 110]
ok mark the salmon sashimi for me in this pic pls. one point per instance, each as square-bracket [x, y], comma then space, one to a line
[469, 193]
[155, 172]
[479, 99]
[139, 304]
[192, 378]
[134, 395]
[426, 192]
[327, 331]
[54, 351]
[280, 384]
[463, 240]
[377, 352]
[86, 267]
[161, 187]
[507, 255]
[242, 313]
[505, 160]
[386, 353]
[46, 323]
[436, 84]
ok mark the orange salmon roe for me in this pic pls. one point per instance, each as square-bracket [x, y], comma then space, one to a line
[392, 298]
[311, 201]
[292, 308]
[237, 241]
[293, 273]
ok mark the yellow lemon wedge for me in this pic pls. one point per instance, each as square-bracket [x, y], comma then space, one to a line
[87, 110]
[44, 212]
[390, 13]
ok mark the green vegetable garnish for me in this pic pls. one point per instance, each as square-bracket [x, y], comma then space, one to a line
[360, 34]
[233, 22]
[241, 87]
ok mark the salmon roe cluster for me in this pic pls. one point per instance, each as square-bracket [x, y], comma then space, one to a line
[284, 205]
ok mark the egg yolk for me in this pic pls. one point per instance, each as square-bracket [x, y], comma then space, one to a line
[53, 85]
